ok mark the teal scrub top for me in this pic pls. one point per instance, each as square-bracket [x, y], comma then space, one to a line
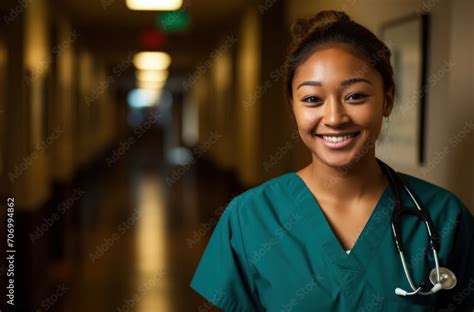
[273, 250]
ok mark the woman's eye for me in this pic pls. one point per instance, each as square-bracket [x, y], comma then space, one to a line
[356, 97]
[311, 99]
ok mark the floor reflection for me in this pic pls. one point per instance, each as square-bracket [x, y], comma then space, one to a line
[150, 265]
[151, 246]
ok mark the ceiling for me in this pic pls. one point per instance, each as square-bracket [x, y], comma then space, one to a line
[114, 13]
[109, 27]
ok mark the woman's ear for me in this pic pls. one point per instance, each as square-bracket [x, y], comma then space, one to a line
[388, 101]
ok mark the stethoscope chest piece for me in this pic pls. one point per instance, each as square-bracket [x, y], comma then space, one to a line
[447, 278]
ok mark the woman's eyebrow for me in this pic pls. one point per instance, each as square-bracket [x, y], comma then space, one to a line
[344, 83]
[309, 83]
[348, 82]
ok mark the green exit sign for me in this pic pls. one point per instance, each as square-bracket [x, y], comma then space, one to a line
[173, 20]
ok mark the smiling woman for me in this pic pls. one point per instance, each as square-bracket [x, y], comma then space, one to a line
[338, 103]
[338, 254]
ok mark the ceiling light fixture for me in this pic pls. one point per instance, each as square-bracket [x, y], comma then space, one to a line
[151, 75]
[152, 60]
[150, 85]
[154, 5]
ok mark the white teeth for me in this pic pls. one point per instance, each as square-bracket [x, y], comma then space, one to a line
[337, 138]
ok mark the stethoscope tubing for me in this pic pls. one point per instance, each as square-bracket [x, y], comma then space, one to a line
[395, 181]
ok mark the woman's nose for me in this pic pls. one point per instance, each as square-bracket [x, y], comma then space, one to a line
[335, 114]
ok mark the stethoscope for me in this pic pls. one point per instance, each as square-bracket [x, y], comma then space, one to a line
[440, 277]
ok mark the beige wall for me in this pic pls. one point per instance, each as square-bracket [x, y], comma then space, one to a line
[201, 92]
[63, 112]
[248, 80]
[225, 108]
[96, 116]
[32, 186]
[224, 97]
[460, 173]
[43, 114]
[85, 108]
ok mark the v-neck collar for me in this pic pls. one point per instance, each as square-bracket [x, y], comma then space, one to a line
[346, 267]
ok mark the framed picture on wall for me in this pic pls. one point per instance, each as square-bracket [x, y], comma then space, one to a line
[403, 136]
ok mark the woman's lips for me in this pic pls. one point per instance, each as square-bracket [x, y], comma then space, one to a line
[338, 141]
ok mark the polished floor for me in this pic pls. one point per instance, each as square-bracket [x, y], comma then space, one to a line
[140, 230]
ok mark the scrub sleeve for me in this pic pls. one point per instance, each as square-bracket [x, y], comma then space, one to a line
[461, 262]
[223, 275]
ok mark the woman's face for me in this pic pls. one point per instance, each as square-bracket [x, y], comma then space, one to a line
[339, 103]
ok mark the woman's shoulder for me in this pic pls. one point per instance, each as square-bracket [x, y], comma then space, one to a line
[276, 187]
[272, 184]
[426, 188]
[437, 199]
[276, 195]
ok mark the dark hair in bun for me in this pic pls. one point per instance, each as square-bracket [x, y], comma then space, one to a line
[328, 27]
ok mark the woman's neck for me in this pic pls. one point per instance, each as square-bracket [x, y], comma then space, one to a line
[350, 184]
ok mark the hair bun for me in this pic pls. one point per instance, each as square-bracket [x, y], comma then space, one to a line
[302, 28]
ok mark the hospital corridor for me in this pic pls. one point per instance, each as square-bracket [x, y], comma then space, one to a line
[127, 127]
